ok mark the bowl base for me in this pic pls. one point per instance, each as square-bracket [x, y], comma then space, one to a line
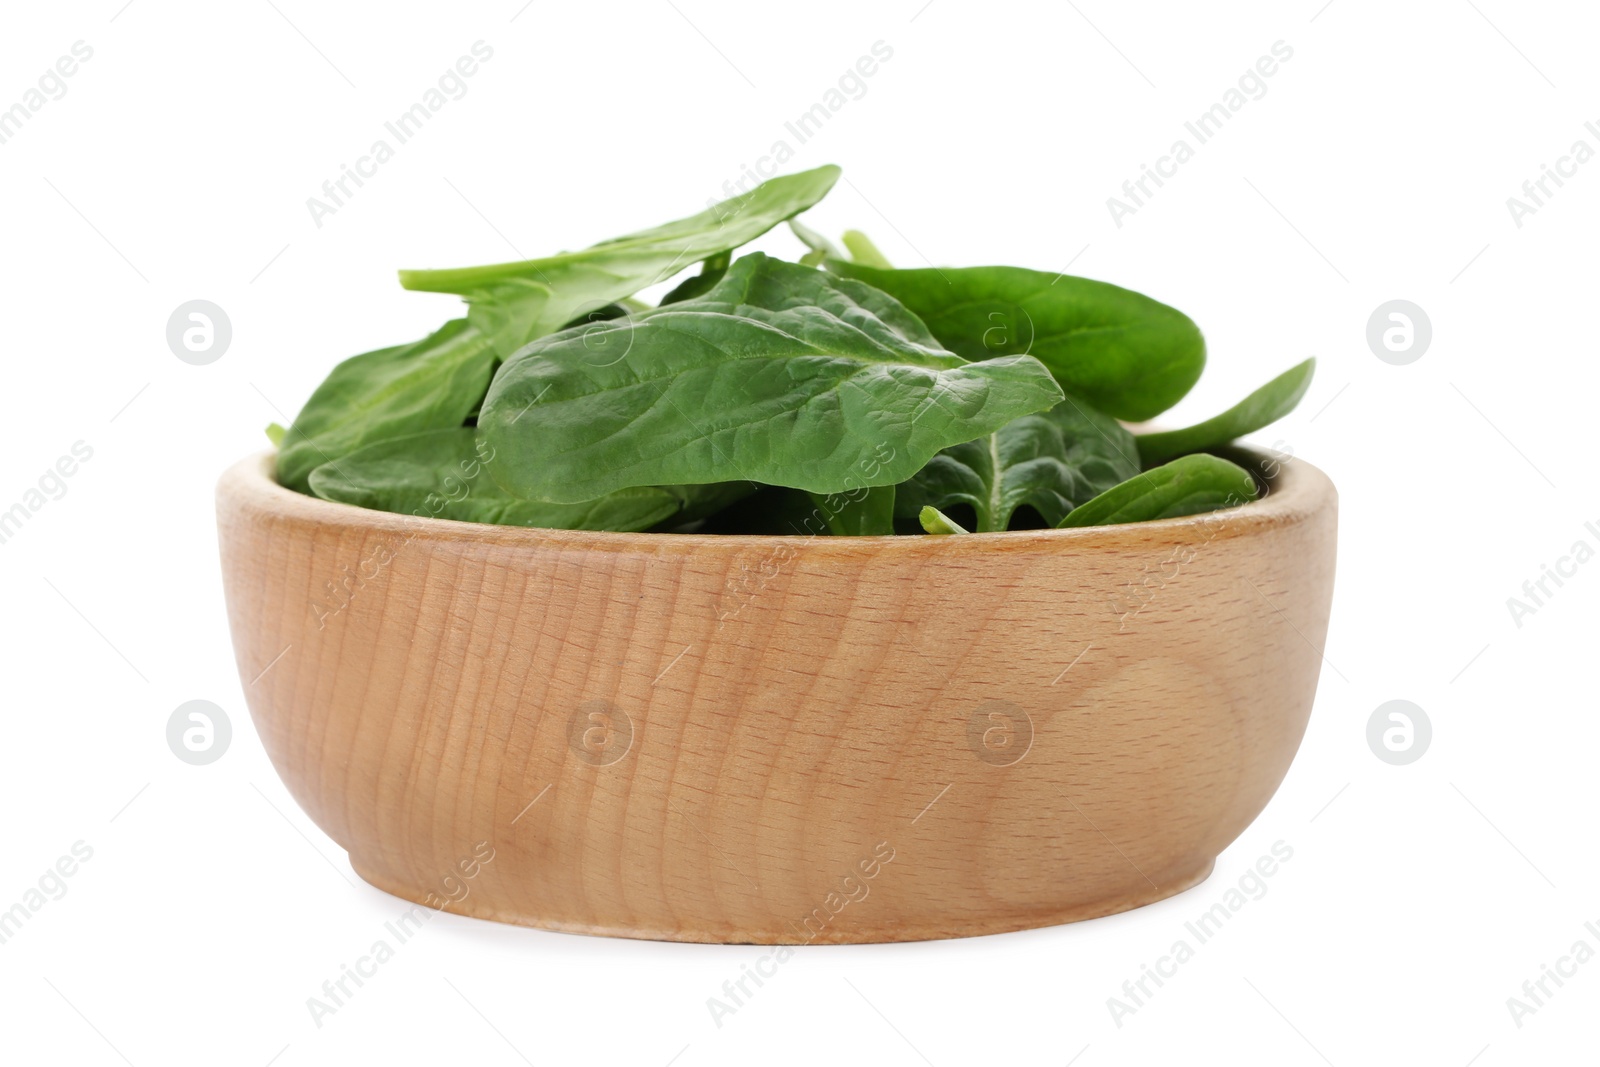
[783, 933]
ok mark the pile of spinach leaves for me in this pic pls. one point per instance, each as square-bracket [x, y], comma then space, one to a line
[834, 394]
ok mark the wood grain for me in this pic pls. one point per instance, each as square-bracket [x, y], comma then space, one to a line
[778, 739]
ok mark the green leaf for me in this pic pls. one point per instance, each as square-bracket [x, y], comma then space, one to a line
[514, 303]
[865, 512]
[864, 252]
[603, 314]
[696, 284]
[820, 247]
[1052, 462]
[781, 374]
[858, 244]
[275, 432]
[1186, 486]
[1261, 408]
[432, 384]
[1126, 354]
[444, 474]
[935, 521]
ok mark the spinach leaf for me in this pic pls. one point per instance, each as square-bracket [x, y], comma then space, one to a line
[1126, 354]
[432, 384]
[514, 303]
[603, 314]
[780, 374]
[935, 521]
[275, 432]
[770, 397]
[439, 382]
[858, 244]
[1261, 408]
[711, 272]
[1185, 486]
[864, 252]
[863, 513]
[443, 474]
[820, 248]
[1052, 462]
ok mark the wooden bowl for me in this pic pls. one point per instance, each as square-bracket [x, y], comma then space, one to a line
[778, 739]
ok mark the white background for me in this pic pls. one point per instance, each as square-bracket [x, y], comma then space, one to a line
[1377, 166]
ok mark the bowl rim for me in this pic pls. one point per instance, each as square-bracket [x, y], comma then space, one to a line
[1297, 491]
